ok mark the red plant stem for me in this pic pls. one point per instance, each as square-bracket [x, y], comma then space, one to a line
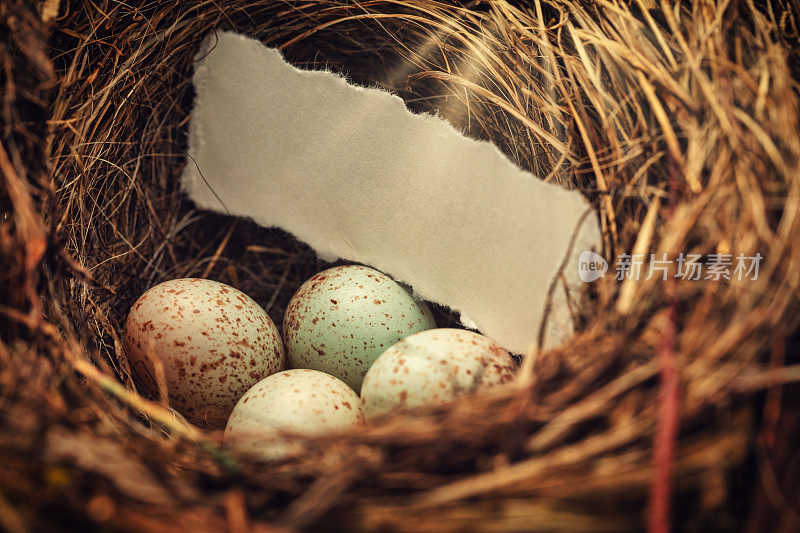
[666, 429]
[772, 405]
[668, 408]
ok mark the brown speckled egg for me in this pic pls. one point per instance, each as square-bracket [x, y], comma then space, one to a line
[300, 402]
[342, 319]
[212, 341]
[432, 368]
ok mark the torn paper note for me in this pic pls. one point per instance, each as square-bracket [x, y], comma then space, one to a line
[357, 176]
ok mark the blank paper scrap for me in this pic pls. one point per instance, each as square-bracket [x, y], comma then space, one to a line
[354, 174]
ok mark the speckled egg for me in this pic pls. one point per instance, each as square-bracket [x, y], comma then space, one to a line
[342, 319]
[210, 342]
[432, 368]
[301, 402]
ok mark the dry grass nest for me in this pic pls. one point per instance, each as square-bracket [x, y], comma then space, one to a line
[676, 402]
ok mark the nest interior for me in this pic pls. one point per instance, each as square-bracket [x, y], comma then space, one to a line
[675, 403]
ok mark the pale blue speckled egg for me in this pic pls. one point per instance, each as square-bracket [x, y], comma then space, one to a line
[343, 318]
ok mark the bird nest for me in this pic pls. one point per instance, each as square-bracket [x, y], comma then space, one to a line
[672, 405]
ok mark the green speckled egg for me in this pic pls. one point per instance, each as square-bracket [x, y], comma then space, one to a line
[343, 318]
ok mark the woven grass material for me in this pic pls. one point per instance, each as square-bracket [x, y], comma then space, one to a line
[680, 124]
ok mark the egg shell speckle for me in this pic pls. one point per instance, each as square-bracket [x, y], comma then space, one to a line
[213, 341]
[301, 402]
[343, 318]
[432, 368]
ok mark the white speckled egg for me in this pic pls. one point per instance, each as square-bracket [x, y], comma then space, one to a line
[301, 402]
[432, 368]
[343, 318]
[211, 341]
